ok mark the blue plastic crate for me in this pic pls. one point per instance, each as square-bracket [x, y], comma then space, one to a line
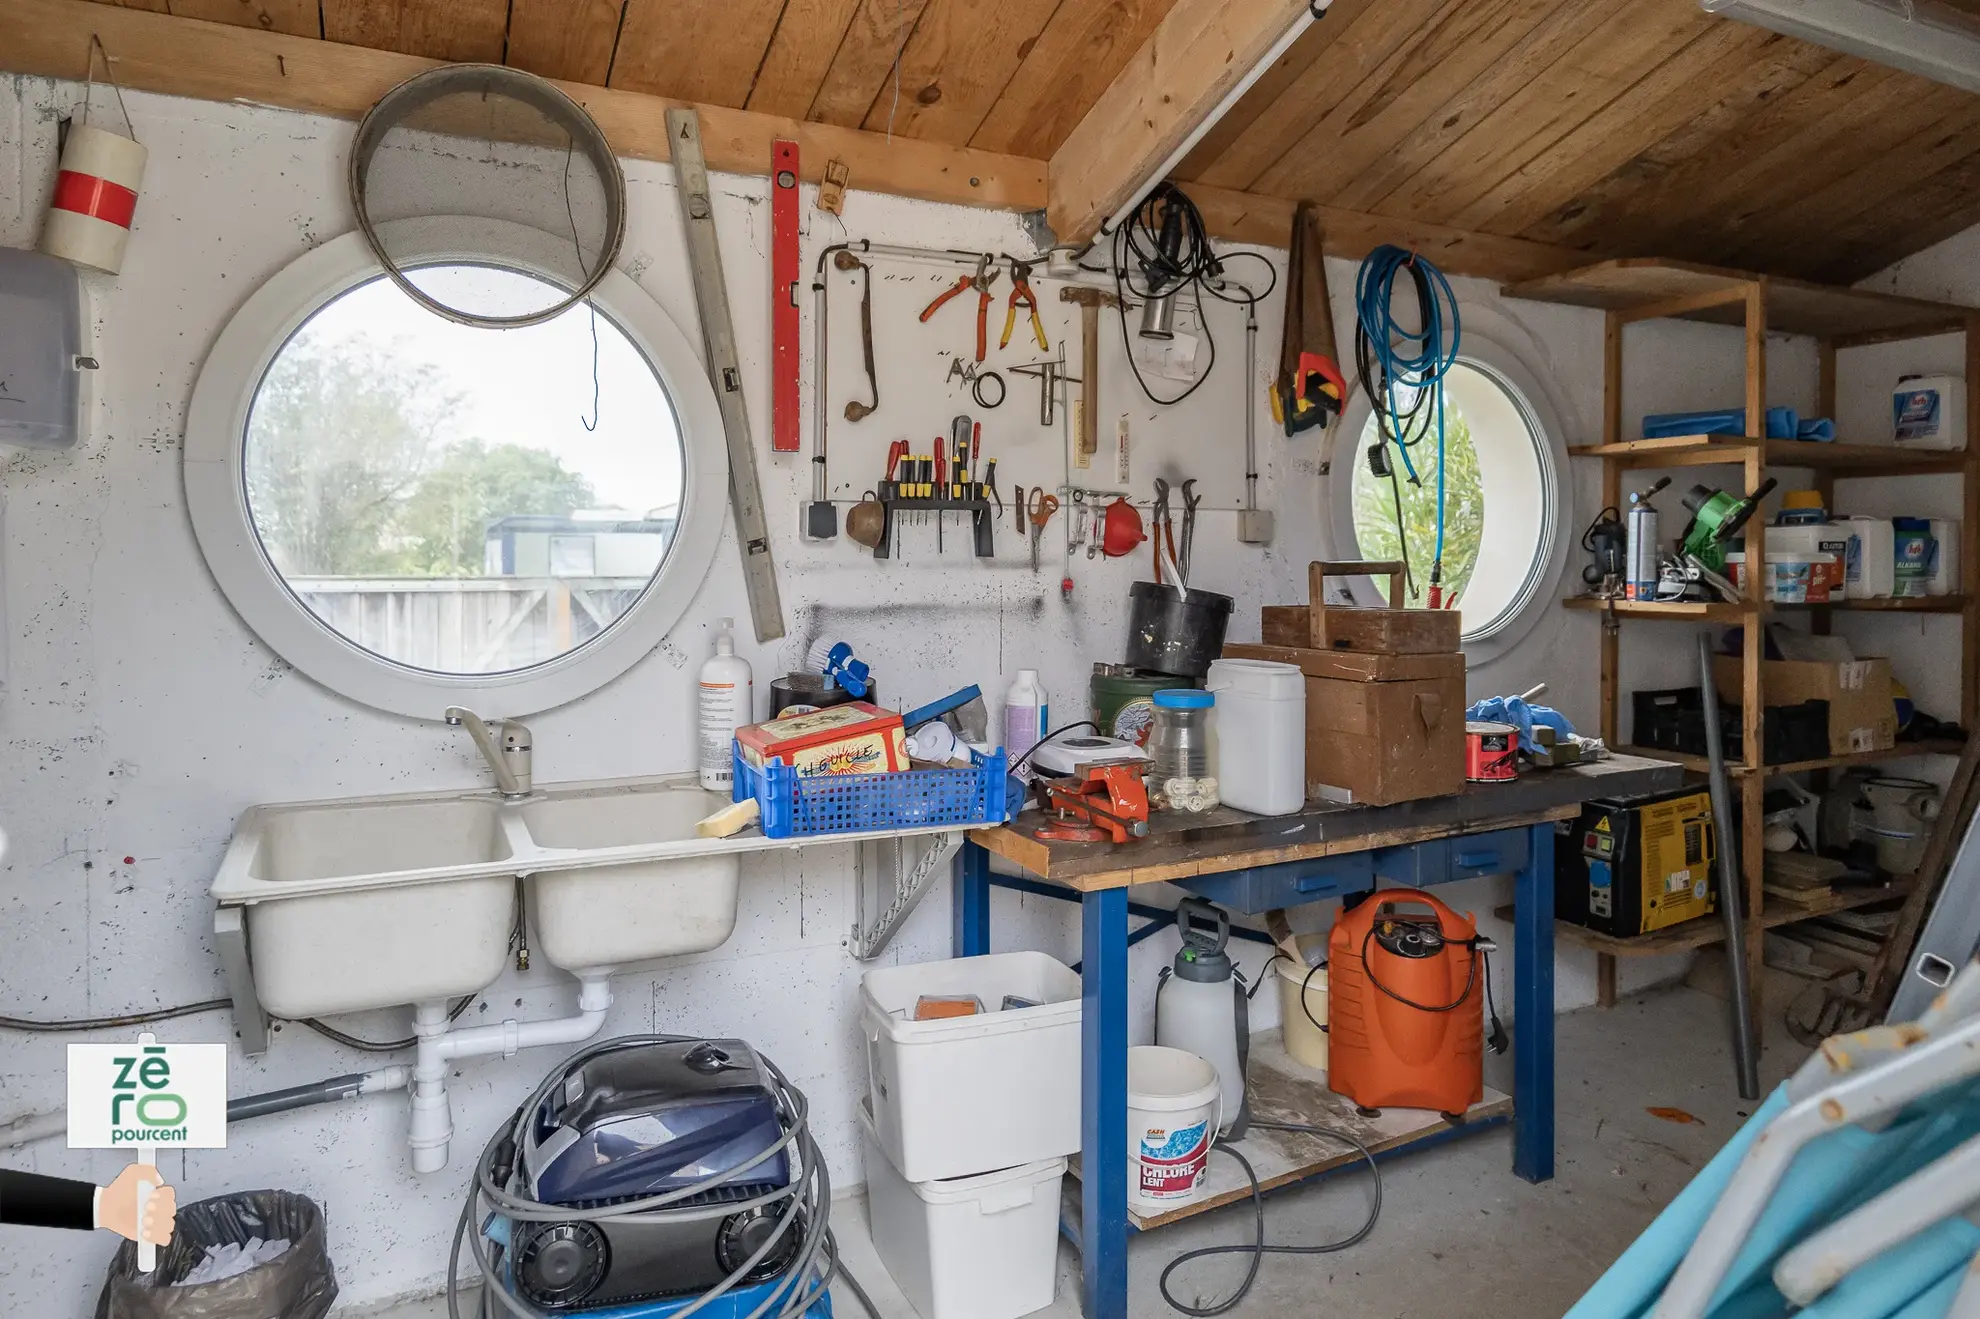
[795, 805]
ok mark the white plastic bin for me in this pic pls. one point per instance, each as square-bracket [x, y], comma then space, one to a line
[981, 1247]
[1260, 759]
[964, 1095]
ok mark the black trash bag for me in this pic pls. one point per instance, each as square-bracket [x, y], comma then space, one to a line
[301, 1284]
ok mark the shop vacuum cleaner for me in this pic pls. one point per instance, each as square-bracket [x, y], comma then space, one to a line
[652, 1176]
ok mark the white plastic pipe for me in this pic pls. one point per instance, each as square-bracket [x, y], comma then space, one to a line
[432, 1128]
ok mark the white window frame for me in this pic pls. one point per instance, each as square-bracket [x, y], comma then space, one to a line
[216, 485]
[1485, 350]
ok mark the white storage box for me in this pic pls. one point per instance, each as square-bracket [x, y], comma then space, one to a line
[982, 1247]
[1259, 735]
[967, 1094]
[1929, 412]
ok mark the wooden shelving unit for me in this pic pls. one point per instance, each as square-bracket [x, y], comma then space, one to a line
[1631, 291]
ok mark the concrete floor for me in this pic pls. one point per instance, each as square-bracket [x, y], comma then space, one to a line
[1455, 1222]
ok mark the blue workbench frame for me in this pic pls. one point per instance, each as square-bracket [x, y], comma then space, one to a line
[1104, 943]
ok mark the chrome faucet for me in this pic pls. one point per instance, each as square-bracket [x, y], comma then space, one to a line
[510, 761]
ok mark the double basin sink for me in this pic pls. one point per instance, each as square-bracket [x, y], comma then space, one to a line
[375, 902]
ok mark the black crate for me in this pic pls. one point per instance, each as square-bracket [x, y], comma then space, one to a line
[1674, 720]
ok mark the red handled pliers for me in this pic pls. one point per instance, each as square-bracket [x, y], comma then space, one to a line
[985, 276]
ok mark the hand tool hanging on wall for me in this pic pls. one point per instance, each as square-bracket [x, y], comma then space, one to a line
[785, 367]
[1190, 500]
[1090, 302]
[1161, 531]
[1254, 523]
[718, 334]
[1050, 374]
[855, 410]
[1310, 390]
[1043, 506]
[1022, 296]
[984, 276]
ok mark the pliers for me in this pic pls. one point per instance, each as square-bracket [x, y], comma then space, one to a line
[1022, 296]
[985, 276]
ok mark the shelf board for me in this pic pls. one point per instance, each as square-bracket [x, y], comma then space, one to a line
[1902, 749]
[1708, 450]
[1794, 306]
[1692, 612]
[1774, 912]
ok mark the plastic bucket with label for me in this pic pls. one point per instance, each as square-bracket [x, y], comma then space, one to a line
[1172, 1116]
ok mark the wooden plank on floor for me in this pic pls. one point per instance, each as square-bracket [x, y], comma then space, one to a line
[449, 30]
[962, 55]
[1464, 42]
[658, 55]
[1374, 35]
[569, 39]
[1272, 84]
[808, 36]
[1591, 72]
[863, 65]
[1073, 60]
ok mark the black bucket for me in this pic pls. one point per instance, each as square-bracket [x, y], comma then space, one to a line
[1172, 633]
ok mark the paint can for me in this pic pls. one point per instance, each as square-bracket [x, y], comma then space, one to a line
[1489, 753]
[1123, 700]
[96, 191]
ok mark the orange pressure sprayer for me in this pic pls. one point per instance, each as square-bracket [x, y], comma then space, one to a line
[1407, 980]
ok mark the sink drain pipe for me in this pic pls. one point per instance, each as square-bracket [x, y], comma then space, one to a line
[432, 1116]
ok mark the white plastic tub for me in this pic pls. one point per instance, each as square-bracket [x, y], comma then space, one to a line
[968, 1094]
[1173, 1114]
[1260, 757]
[982, 1247]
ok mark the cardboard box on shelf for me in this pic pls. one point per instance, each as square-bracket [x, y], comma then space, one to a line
[1862, 716]
[1379, 728]
[854, 738]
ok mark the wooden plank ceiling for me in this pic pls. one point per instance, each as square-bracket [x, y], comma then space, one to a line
[1613, 127]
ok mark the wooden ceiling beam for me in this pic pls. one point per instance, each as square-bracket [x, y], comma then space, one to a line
[219, 62]
[1200, 53]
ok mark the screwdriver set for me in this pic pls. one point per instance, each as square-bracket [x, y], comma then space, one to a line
[946, 481]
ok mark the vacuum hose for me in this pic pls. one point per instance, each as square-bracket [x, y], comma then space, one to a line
[805, 1204]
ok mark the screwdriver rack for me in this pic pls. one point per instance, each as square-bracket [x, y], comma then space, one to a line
[982, 515]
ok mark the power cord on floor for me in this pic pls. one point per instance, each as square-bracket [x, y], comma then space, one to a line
[1257, 1248]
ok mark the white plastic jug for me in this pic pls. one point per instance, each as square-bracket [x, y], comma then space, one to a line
[1259, 754]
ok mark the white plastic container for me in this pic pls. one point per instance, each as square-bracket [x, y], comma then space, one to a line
[728, 695]
[982, 1247]
[1929, 412]
[1027, 716]
[1258, 753]
[964, 1095]
[1944, 577]
[1304, 1026]
[1824, 543]
[1172, 1113]
[1870, 573]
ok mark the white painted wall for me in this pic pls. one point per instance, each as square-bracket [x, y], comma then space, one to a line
[140, 717]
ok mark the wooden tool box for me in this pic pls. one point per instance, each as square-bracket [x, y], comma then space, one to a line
[1384, 691]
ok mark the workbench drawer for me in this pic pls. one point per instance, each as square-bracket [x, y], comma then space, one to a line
[1288, 884]
[1443, 860]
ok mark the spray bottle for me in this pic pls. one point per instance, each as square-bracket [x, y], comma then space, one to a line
[1640, 539]
[728, 695]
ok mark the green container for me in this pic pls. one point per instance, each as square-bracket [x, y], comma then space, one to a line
[1121, 699]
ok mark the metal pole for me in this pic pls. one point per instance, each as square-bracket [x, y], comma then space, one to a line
[1746, 1054]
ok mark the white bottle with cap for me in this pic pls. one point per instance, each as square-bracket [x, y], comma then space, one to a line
[1027, 717]
[728, 694]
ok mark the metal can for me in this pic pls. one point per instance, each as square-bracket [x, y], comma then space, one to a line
[1490, 753]
[1640, 553]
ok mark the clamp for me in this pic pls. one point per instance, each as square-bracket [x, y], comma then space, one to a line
[1022, 296]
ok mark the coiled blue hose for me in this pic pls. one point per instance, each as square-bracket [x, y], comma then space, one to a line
[1394, 357]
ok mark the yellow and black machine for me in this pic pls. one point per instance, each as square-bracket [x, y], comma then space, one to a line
[1630, 867]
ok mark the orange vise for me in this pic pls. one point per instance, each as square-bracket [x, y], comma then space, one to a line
[1098, 803]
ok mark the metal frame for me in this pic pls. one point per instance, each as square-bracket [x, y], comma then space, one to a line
[231, 942]
[1104, 1225]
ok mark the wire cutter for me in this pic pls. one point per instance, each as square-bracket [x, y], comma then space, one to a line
[981, 280]
[1022, 296]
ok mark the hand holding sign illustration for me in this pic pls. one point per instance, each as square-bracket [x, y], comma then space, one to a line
[117, 1206]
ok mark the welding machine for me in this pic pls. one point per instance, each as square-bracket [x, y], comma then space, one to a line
[1627, 867]
[648, 1173]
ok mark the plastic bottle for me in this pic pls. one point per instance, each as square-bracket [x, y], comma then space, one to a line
[1027, 715]
[728, 694]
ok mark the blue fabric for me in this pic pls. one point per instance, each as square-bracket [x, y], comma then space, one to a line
[1822, 429]
[1831, 1176]
[1512, 710]
[1782, 424]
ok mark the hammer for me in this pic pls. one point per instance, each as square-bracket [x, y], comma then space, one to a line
[1090, 302]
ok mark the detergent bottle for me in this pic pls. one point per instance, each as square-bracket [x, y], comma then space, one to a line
[1200, 1006]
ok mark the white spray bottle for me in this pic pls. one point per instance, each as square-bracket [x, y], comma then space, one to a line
[728, 695]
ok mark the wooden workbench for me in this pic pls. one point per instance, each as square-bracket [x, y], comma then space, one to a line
[1252, 864]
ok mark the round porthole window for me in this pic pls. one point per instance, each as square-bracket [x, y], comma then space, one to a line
[1502, 502]
[419, 513]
